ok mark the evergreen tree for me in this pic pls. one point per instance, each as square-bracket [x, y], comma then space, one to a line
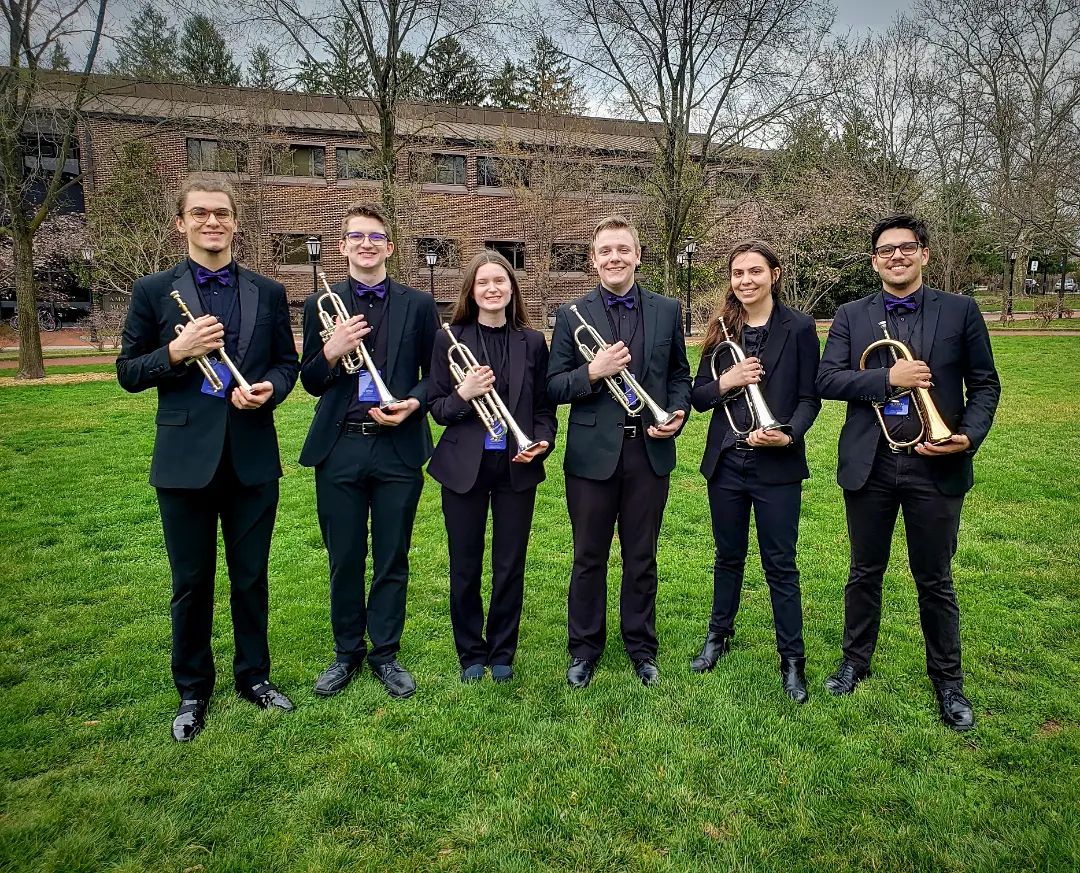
[451, 74]
[339, 74]
[59, 59]
[262, 71]
[204, 55]
[506, 89]
[147, 50]
[549, 84]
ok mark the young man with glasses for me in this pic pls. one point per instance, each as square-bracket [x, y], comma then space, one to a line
[368, 457]
[216, 452]
[926, 481]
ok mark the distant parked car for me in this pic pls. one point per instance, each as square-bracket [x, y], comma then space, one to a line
[1070, 285]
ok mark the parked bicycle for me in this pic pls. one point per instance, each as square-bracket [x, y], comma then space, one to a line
[46, 321]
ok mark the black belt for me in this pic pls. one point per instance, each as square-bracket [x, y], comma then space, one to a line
[363, 428]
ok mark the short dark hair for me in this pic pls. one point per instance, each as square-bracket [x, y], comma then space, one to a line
[903, 221]
[365, 210]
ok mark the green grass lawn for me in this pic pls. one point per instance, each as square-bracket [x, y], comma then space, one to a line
[701, 772]
[1026, 303]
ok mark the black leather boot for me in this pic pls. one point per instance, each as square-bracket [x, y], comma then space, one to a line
[794, 679]
[716, 646]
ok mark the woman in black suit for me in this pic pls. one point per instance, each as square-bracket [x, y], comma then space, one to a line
[763, 469]
[475, 470]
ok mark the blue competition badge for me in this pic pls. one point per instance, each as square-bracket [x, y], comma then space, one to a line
[630, 393]
[367, 391]
[897, 406]
[494, 444]
[223, 374]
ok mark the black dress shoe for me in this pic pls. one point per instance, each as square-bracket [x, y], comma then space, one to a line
[397, 681]
[581, 672]
[266, 696]
[647, 671]
[955, 709]
[794, 679]
[190, 720]
[334, 678]
[472, 673]
[716, 646]
[501, 672]
[846, 677]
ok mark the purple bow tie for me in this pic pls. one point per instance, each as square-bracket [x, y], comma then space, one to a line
[626, 300]
[363, 290]
[906, 304]
[222, 276]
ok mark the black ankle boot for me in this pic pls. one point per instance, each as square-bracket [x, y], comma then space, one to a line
[716, 646]
[793, 678]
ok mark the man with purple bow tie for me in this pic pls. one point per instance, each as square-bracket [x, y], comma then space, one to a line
[368, 456]
[950, 345]
[216, 452]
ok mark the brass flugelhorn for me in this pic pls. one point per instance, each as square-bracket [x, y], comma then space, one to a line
[932, 427]
[626, 390]
[204, 362]
[358, 359]
[758, 410]
[489, 406]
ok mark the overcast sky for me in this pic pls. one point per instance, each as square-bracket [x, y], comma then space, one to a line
[868, 14]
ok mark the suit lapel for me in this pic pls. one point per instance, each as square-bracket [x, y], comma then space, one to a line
[931, 313]
[348, 297]
[648, 326]
[249, 310]
[397, 315]
[596, 314]
[183, 283]
[774, 347]
[875, 312]
[517, 365]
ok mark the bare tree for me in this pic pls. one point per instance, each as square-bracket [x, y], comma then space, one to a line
[38, 107]
[714, 74]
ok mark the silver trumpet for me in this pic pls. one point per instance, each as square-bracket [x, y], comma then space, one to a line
[489, 406]
[626, 390]
[760, 414]
[204, 362]
[358, 359]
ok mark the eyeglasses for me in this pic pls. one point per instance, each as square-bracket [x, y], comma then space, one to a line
[906, 248]
[356, 237]
[200, 215]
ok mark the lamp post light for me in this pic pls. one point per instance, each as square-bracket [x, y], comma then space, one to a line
[691, 247]
[432, 258]
[88, 259]
[314, 249]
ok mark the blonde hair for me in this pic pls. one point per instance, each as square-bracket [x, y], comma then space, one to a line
[208, 183]
[615, 222]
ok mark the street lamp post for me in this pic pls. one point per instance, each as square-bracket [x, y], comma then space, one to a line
[432, 258]
[1008, 315]
[1061, 287]
[691, 247]
[88, 259]
[314, 249]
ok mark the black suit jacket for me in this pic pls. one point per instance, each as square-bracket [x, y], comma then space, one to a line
[953, 340]
[456, 462]
[594, 438]
[191, 426]
[790, 360]
[412, 321]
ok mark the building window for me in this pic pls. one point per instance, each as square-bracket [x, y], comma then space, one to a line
[448, 250]
[439, 169]
[357, 164]
[216, 156]
[492, 172]
[300, 161]
[513, 251]
[290, 249]
[624, 179]
[570, 257]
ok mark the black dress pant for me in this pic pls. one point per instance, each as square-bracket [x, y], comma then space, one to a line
[363, 476]
[931, 522]
[634, 497]
[466, 521]
[189, 519]
[733, 490]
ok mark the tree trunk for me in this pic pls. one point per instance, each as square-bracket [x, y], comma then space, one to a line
[31, 365]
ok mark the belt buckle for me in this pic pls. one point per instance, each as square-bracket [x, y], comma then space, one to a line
[369, 428]
[630, 431]
[743, 446]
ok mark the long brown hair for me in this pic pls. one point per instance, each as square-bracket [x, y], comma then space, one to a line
[466, 310]
[731, 308]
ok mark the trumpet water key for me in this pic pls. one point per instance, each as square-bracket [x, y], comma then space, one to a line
[489, 406]
[757, 409]
[626, 389]
[204, 362]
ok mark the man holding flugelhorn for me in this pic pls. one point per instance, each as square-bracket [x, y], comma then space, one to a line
[619, 359]
[907, 444]
[215, 340]
[368, 443]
